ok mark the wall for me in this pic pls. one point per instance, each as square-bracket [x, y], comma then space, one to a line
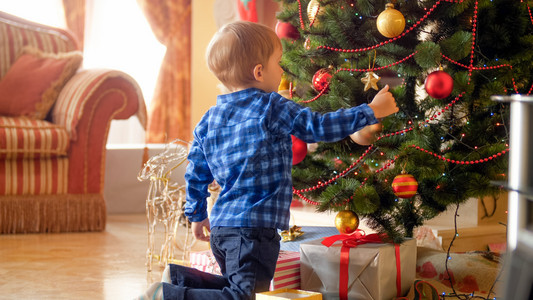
[204, 84]
[124, 193]
[207, 16]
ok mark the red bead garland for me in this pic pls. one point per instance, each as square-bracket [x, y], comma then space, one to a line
[323, 184]
[485, 68]
[300, 12]
[530, 90]
[476, 68]
[322, 92]
[461, 162]
[474, 25]
[378, 68]
[390, 40]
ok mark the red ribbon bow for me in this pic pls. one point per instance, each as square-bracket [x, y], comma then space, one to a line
[359, 237]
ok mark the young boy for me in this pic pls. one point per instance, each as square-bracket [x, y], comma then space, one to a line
[244, 143]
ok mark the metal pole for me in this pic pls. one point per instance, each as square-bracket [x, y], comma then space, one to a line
[520, 164]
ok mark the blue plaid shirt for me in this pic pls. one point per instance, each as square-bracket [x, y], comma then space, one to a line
[244, 143]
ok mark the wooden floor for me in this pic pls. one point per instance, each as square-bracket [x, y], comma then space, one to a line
[102, 265]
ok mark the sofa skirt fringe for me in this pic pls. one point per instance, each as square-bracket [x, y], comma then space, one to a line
[52, 213]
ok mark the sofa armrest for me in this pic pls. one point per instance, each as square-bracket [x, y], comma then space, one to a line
[83, 93]
[85, 107]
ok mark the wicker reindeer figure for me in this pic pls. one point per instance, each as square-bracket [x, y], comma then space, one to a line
[165, 204]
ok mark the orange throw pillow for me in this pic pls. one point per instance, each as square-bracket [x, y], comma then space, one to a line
[32, 84]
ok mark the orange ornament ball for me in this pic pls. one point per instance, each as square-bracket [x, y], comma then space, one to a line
[404, 186]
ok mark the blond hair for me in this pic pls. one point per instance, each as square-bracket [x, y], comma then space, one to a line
[237, 48]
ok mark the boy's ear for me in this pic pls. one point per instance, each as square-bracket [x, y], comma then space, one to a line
[258, 72]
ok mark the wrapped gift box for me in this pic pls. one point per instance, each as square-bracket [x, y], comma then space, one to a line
[287, 274]
[371, 269]
[204, 261]
[286, 294]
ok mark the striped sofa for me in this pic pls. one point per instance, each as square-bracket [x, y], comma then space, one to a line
[52, 170]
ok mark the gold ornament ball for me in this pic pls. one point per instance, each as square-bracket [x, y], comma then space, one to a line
[390, 22]
[367, 135]
[346, 221]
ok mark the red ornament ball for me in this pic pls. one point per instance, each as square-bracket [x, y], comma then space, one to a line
[299, 150]
[287, 30]
[404, 186]
[321, 79]
[439, 84]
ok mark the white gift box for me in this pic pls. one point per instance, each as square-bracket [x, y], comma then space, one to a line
[371, 274]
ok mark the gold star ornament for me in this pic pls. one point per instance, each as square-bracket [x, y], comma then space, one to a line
[371, 81]
[291, 234]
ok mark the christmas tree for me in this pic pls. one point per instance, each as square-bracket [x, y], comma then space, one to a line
[443, 60]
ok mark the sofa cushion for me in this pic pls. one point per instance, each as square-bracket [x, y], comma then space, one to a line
[22, 137]
[32, 84]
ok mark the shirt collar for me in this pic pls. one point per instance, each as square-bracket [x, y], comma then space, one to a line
[225, 98]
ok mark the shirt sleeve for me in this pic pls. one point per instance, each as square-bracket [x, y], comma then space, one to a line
[198, 177]
[312, 127]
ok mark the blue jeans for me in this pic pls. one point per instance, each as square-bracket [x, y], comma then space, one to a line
[247, 258]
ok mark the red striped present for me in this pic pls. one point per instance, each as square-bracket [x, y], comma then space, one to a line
[287, 274]
[204, 261]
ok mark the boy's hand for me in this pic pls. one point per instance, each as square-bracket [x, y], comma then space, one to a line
[198, 230]
[383, 103]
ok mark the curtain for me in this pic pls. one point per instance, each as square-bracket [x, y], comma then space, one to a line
[75, 18]
[169, 111]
